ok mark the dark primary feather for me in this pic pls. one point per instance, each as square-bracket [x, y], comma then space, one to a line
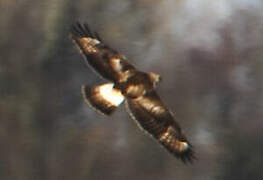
[83, 30]
[80, 30]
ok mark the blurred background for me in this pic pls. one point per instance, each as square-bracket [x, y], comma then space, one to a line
[209, 54]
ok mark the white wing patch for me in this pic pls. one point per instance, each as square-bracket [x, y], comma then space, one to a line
[110, 94]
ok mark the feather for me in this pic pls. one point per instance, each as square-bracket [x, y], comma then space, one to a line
[104, 98]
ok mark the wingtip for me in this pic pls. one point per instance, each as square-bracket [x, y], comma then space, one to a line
[188, 157]
[81, 30]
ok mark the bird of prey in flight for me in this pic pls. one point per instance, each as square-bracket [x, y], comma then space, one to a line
[135, 87]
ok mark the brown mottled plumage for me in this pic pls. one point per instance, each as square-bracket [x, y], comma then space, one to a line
[136, 87]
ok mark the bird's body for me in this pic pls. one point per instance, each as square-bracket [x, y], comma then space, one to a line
[135, 87]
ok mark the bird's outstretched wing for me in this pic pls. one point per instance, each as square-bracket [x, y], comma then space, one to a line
[107, 62]
[152, 116]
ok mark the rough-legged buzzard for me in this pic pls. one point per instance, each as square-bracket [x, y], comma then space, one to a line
[135, 87]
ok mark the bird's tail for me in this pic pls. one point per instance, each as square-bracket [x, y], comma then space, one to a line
[104, 98]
